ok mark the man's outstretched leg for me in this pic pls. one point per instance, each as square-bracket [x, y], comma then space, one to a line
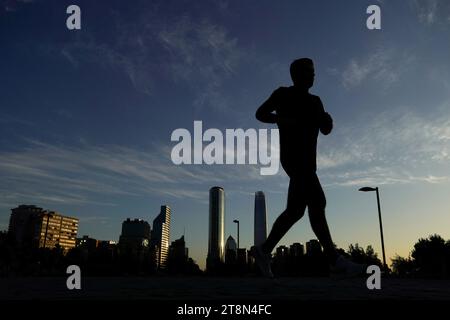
[281, 226]
[317, 218]
[295, 209]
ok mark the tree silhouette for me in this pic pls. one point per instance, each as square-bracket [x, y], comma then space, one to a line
[402, 266]
[429, 258]
[359, 255]
[432, 256]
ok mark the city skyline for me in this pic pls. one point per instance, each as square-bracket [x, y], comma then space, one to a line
[87, 115]
[217, 213]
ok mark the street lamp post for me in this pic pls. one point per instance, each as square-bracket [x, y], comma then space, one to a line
[367, 189]
[237, 222]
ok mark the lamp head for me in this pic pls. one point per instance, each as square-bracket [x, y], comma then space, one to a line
[366, 189]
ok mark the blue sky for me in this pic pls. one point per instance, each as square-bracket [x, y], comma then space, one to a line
[86, 116]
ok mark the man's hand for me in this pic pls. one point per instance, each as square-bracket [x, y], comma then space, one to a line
[326, 123]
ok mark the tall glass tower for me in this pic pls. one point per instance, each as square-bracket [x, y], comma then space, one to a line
[161, 236]
[260, 232]
[216, 242]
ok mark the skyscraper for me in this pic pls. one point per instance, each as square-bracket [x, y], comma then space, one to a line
[216, 242]
[260, 232]
[34, 226]
[161, 236]
[296, 250]
[230, 250]
[313, 247]
[87, 244]
[231, 244]
[135, 236]
[282, 252]
[178, 254]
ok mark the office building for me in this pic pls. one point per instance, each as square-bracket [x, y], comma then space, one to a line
[135, 236]
[260, 222]
[242, 256]
[296, 250]
[178, 253]
[282, 252]
[313, 247]
[34, 226]
[161, 236]
[216, 240]
[87, 243]
[230, 250]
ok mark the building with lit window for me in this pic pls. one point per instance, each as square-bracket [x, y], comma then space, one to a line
[87, 243]
[135, 236]
[161, 236]
[34, 226]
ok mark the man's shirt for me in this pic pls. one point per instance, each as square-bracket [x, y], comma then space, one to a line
[300, 116]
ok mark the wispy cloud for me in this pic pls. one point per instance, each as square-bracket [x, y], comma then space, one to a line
[95, 219]
[376, 176]
[203, 55]
[199, 53]
[85, 173]
[397, 146]
[431, 12]
[383, 66]
[384, 150]
[135, 64]
[427, 11]
[41, 192]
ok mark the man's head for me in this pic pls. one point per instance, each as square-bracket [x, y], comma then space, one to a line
[302, 73]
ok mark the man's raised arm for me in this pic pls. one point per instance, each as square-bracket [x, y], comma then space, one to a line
[265, 111]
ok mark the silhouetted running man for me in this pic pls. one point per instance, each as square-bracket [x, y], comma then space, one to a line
[299, 116]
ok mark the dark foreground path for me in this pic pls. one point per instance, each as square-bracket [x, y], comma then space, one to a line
[210, 288]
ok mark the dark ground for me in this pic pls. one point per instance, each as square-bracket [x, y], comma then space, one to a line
[215, 288]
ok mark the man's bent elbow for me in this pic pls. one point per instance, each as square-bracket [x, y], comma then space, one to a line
[258, 116]
[326, 131]
[261, 116]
